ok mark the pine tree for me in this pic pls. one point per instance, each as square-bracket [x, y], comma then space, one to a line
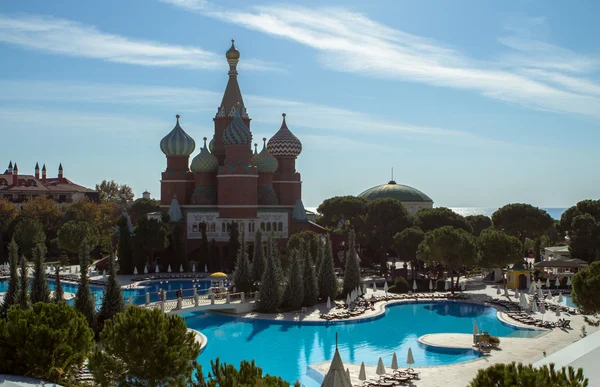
[328, 284]
[294, 290]
[125, 248]
[234, 245]
[352, 269]
[13, 281]
[112, 298]
[22, 298]
[84, 300]
[40, 291]
[242, 277]
[311, 288]
[258, 258]
[59, 294]
[270, 287]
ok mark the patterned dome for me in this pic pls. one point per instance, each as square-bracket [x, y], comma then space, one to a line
[237, 132]
[284, 143]
[204, 161]
[177, 142]
[211, 144]
[254, 156]
[265, 162]
[392, 190]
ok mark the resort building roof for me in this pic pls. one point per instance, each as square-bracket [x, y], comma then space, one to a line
[393, 190]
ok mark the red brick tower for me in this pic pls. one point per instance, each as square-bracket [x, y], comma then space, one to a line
[177, 179]
[286, 148]
[266, 165]
[204, 167]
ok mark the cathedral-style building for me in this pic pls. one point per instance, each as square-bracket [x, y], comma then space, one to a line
[227, 182]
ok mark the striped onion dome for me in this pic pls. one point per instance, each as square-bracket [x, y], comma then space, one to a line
[237, 132]
[177, 142]
[204, 161]
[284, 143]
[254, 155]
[265, 162]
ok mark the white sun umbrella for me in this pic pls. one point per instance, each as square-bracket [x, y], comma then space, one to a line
[547, 283]
[540, 294]
[557, 282]
[560, 297]
[135, 272]
[205, 268]
[532, 288]
[394, 362]
[498, 291]
[374, 287]
[193, 267]
[348, 299]
[104, 274]
[542, 310]
[385, 287]
[475, 332]
[568, 281]
[415, 285]
[156, 268]
[362, 375]
[169, 269]
[328, 302]
[410, 360]
[380, 367]
[534, 307]
[539, 283]
[360, 290]
[517, 294]
[557, 312]
[446, 285]
[146, 269]
[348, 373]
[181, 268]
[430, 285]
[550, 298]
[523, 301]
[505, 292]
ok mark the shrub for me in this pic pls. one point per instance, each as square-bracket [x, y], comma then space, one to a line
[400, 286]
[525, 375]
[586, 288]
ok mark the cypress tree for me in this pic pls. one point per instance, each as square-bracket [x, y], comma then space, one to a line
[204, 254]
[112, 298]
[234, 245]
[59, 294]
[294, 290]
[352, 269]
[242, 277]
[10, 298]
[124, 250]
[328, 285]
[22, 298]
[319, 260]
[40, 291]
[84, 300]
[311, 288]
[258, 258]
[271, 294]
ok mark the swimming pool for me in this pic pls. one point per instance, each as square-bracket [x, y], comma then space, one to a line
[138, 294]
[286, 349]
[568, 301]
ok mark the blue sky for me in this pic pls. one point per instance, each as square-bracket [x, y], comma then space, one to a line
[476, 103]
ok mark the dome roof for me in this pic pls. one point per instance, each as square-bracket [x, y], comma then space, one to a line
[254, 155]
[392, 190]
[211, 144]
[265, 162]
[237, 132]
[177, 142]
[204, 161]
[232, 53]
[284, 143]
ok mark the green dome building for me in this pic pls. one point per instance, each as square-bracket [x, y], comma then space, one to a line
[413, 199]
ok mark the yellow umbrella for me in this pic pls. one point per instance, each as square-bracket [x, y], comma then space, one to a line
[219, 275]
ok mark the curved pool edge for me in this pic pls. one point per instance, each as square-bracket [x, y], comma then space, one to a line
[200, 338]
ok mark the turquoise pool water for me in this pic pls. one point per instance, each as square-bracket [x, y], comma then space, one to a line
[138, 294]
[568, 301]
[286, 349]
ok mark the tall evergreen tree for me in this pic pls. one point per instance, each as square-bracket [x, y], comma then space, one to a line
[258, 258]
[10, 297]
[84, 299]
[311, 288]
[328, 285]
[319, 260]
[112, 298]
[59, 294]
[294, 290]
[125, 248]
[40, 291]
[352, 268]
[233, 247]
[271, 293]
[23, 295]
[242, 277]
[204, 254]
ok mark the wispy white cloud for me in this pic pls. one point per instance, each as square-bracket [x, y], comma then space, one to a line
[265, 111]
[66, 37]
[351, 42]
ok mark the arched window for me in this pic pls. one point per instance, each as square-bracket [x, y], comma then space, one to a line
[274, 226]
[268, 226]
[280, 227]
[213, 227]
[223, 227]
[262, 226]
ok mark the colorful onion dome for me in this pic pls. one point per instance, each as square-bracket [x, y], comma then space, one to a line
[284, 143]
[204, 161]
[265, 162]
[211, 144]
[254, 155]
[237, 132]
[232, 53]
[177, 142]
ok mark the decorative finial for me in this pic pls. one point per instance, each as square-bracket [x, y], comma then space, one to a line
[283, 115]
[177, 116]
[264, 139]
[232, 41]
[205, 139]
